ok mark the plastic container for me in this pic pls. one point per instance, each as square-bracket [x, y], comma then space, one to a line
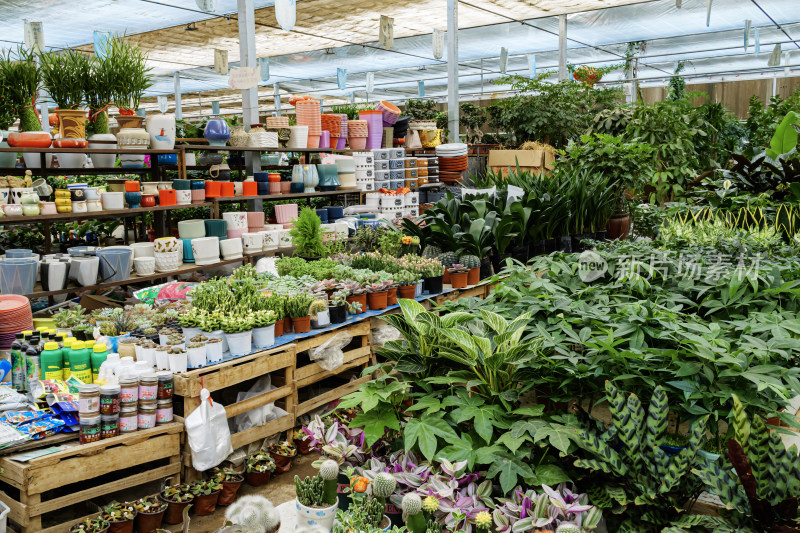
[128, 418]
[80, 363]
[129, 394]
[51, 361]
[166, 385]
[98, 356]
[109, 399]
[148, 386]
[147, 415]
[164, 412]
[109, 426]
[90, 429]
[89, 399]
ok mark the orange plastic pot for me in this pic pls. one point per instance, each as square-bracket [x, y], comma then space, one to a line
[167, 197]
[226, 189]
[301, 324]
[279, 328]
[458, 280]
[406, 292]
[377, 300]
[212, 189]
[391, 297]
[132, 186]
[474, 276]
[250, 188]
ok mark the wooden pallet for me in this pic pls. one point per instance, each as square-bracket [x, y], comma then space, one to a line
[227, 378]
[357, 357]
[43, 487]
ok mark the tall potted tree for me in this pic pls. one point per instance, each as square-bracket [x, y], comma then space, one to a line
[99, 88]
[131, 77]
[63, 75]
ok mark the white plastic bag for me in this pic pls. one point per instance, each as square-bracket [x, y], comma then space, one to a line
[329, 355]
[208, 433]
[258, 415]
[383, 334]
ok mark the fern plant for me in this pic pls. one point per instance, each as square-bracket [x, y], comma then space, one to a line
[306, 234]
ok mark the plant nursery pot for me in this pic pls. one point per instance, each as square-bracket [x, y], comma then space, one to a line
[564, 244]
[361, 298]
[287, 325]
[264, 337]
[486, 268]
[458, 280]
[302, 324]
[228, 492]
[205, 504]
[323, 320]
[279, 328]
[257, 479]
[338, 314]
[303, 446]
[536, 248]
[499, 262]
[474, 276]
[618, 226]
[149, 522]
[391, 298]
[406, 292]
[434, 285]
[121, 527]
[240, 343]
[446, 277]
[283, 463]
[316, 518]
[377, 300]
[174, 512]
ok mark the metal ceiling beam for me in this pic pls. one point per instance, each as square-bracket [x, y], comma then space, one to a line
[452, 69]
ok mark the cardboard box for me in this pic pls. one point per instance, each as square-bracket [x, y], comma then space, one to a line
[531, 160]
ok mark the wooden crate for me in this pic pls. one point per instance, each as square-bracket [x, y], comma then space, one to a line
[45, 486]
[357, 357]
[226, 378]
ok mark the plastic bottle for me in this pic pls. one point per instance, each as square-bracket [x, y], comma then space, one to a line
[65, 351]
[18, 364]
[80, 363]
[51, 361]
[33, 366]
[99, 356]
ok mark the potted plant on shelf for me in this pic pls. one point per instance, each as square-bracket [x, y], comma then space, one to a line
[206, 493]
[458, 276]
[433, 271]
[473, 263]
[238, 329]
[371, 508]
[149, 514]
[98, 87]
[306, 235]
[190, 322]
[177, 498]
[22, 79]
[196, 354]
[297, 307]
[264, 328]
[178, 359]
[355, 293]
[63, 75]
[408, 284]
[90, 525]
[120, 517]
[320, 317]
[338, 307]
[259, 468]
[377, 295]
[354, 308]
[230, 481]
[301, 441]
[317, 501]
[282, 453]
[276, 303]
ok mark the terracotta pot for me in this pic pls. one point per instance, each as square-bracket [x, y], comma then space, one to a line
[458, 280]
[174, 512]
[361, 298]
[283, 463]
[287, 325]
[121, 527]
[228, 492]
[148, 200]
[406, 292]
[474, 276]
[377, 300]
[205, 504]
[446, 277]
[279, 328]
[256, 479]
[129, 121]
[618, 226]
[302, 324]
[303, 447]
[149, 522]
[391, 298]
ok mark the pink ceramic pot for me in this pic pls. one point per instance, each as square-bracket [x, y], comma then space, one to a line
[285, 213]
[198, 196]
[286, 187]
[255, 219]
[234, 233]
[275, 188]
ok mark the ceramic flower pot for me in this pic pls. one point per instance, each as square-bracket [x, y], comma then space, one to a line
[315, 517]
[103, 160]
[145, 266]
[285, 213]
[115, 263]
[84, 270]
[217, 132]
[161, 129]
[205, 250]
[271, 240]
[240, 343]
[113, 200]
[231, 248]
[216, 228]
[18, 275]
[132, 139]
[235, 219]
[191, 229]
[143, 249]
[252, 242]
[168, 261]
[166, 244]
[264, 337]
[183, 197]
[133, 199]
[150, 188]
[167, 197]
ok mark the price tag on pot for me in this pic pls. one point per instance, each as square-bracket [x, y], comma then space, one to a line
[244, 78]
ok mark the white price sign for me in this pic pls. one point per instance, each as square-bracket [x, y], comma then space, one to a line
[244, 78]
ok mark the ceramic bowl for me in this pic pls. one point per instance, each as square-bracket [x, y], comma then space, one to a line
[231, 248]
[113, 200]
[145, 266]
[191, 229]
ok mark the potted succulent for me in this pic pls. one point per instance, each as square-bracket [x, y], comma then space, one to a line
[377, 296]
[214, 350]
[282, 453]
[297, 308]
[320, 317]
[391, 295]
[206, 493]
[317, 500]
[264, 328]
[275, 303]
[211, 327]
[177, 359]
[238, 329]
[355, 293]
[354, 308]
[408, 284]
[196, 354]
[147, 349]
[90, 525]
[163, 335]
[162, 357]
[190, 322]
[338, 307]
[177, 498]
[259, 468]
[433, 270]
[458, 276]
[120, 517]
[230, 481]
[149, 514]
[176, 339]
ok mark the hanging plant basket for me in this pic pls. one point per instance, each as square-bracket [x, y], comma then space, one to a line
[587, 75]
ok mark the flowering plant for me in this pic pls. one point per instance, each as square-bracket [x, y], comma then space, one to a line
[527, 510]
[334, 440]
[458, 268]
[237, 323]
[260, 462]
[457, 496]
[284, 448]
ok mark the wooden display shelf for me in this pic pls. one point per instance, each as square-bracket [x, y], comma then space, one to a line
[274, 197]
[207, 147]
[226, 378]
[43, 487]
[81, 171]
[87, 151]
[127, 212]
[185, 268]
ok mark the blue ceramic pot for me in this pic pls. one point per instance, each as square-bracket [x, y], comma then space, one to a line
[167, 159]
[82, 250]
[133, 199]
[328, 177]
[188, 254]
[297, 187]
[18, 276]
[18, 253]
[335, 212]
[217, 132]
[263, 187]
[216, 228]
[197, 185]
[180, 185]
[115, 263]
[261, 176]
[323, 215]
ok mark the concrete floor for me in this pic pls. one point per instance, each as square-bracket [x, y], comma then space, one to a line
[279, 490]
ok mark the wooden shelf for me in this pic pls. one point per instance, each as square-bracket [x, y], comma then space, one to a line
[87, 151]
[185, 268]
[287, 196]
[20, 171]
[8, 221]
[263, 149]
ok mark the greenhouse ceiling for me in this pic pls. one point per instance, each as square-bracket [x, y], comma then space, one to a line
[328, 36]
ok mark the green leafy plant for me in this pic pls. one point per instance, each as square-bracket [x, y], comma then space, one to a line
[129, 70]
[306, 234]
[298, 304]
[21, 79]
[64, 75]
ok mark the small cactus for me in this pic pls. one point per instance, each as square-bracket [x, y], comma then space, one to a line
[430, 504]
[483, 520]
[448, 259]
[431, 251]
[311, 491]
[568, 527]
[470, 261]
[412, 511]
[254, 514]
[329, 471]
[383, 485]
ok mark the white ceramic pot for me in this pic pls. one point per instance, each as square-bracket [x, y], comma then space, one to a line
[235, 219]
[177, 362]
[103, 160]
[79, 206]
[231, 248]
[183, 197]
[17, 194]
[4, 193]
[264, 337]
[323, 320]
[71, 160]
[94, 206]
[252, 242]
[238, 188]
[113, 200]
[315, 518]
[191, 159]
[161, 129]
[285, 239]
[54, 275]
[84, 270]
[205, 250]
[213, 352]
[167, 244]
[240, 343]
[168, 261]
[132, 139]
[191, 229]
[145, 266]
[148, 355]
[162, 359]
[143, 249]
[150, 188]
[196, 356]
[271, 239]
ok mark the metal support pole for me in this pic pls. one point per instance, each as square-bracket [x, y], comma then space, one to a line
[452, 69]
[562, 47]
[178, 108]
[276, 93]
[247, 58]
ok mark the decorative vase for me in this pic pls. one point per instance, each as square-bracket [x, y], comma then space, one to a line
[103, 160]
[84, 270]
[132, 139]
[217, 132]
[161, 129]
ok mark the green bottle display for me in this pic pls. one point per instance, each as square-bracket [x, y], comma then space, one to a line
[99, 355]
[80, 363]
[65, 351]
[51, 361]
[18, 364]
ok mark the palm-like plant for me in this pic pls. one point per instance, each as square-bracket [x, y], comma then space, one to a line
[21, 80]
[129, 73]
[63, 75]
[99, 92]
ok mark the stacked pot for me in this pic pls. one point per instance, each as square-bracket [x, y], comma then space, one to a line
[357, 133]
[309, 114]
